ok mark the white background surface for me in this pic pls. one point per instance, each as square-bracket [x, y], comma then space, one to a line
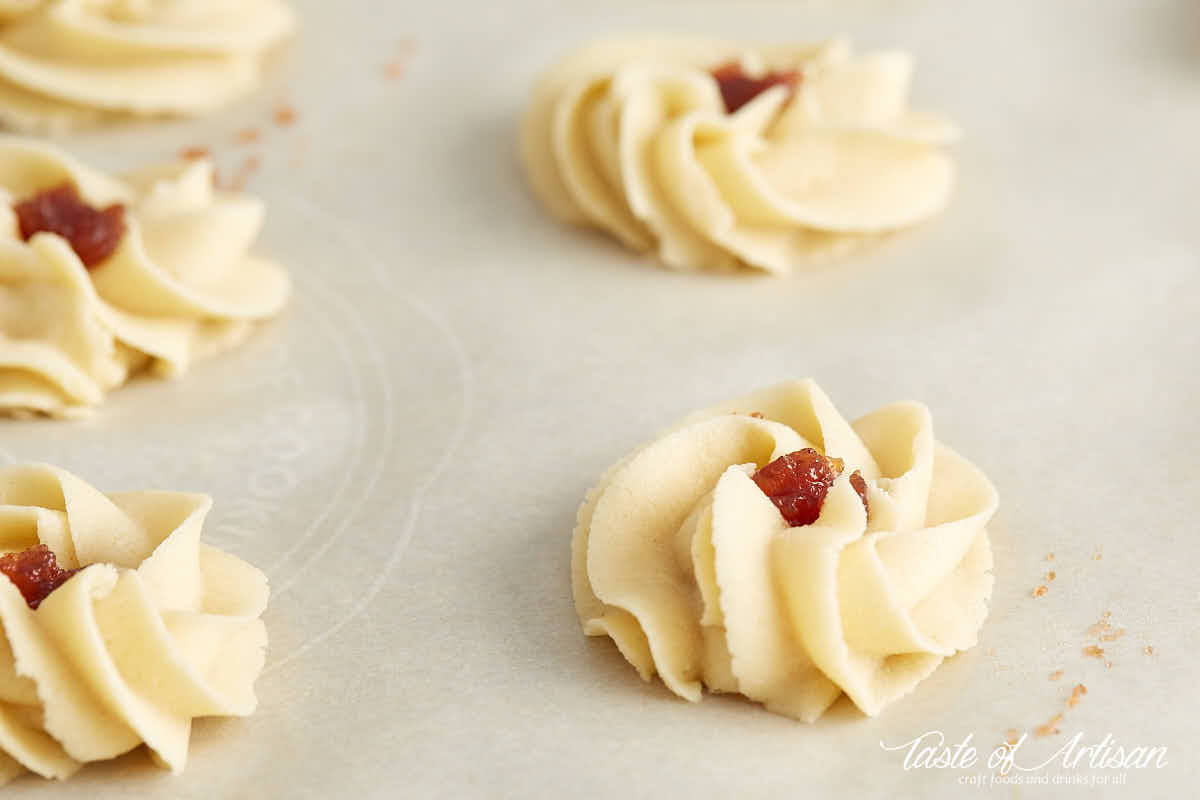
[404, 451]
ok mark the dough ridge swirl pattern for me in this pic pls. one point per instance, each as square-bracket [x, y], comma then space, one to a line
[182, 283]
[696, 576]
[66, 64]
[633, 136]
[156, 629]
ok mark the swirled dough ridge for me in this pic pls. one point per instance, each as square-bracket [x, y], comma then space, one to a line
[689, 567]
[158, 629]
[67, 63]
[182, 283]
[632, 136]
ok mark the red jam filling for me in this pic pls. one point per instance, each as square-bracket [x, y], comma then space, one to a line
[738, 88]
[798, 482]
[35, 573]
[93, 233]
[860, 485]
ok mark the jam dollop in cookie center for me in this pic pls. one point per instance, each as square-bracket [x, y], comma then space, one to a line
[35, 572]
[93, 233]
[798, 482]
[738, 88]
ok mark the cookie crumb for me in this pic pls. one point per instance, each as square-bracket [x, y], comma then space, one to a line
[1050, 556]
[1092, 651]
[1051, 727]
[1058, 673]
[1051, 575]
[1148, 650]
[1012, 736]
[194, 153]
[1040, 591]
[285, 115]
[757, 415]
[1076, 695]
[395, 68]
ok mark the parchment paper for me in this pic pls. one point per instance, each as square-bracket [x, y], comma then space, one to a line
[404, 451]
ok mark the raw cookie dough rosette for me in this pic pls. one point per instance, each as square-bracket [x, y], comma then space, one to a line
[714, 154]
[69, 63]
[770, 548]
[102, 277]
[118, 626]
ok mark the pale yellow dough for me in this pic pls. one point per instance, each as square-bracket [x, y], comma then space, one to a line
[631, 136]
[695, 574]
[181, 285]
[71, 63]
[157, 630]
